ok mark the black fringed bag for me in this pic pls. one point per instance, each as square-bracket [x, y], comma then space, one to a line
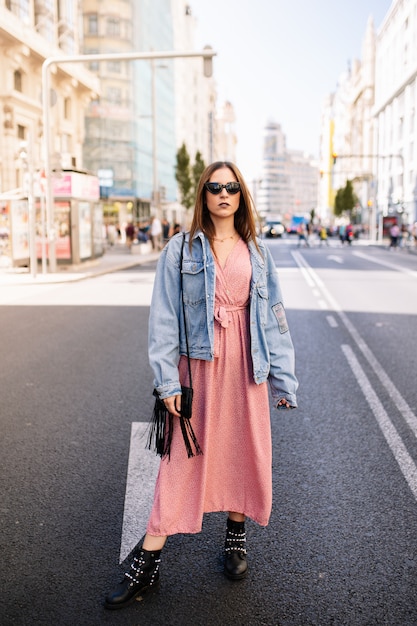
[162, 422]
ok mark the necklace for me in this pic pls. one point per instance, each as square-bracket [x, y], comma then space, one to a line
[225, 238]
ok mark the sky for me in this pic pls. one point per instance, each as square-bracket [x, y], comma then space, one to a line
[278, 60]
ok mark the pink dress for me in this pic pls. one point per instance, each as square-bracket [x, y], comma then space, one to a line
[230, 419]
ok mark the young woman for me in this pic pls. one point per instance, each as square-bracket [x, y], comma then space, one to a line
[238, 341]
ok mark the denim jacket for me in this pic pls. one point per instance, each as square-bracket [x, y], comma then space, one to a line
[271, 345]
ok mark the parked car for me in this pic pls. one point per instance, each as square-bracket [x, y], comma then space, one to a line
[273, 229]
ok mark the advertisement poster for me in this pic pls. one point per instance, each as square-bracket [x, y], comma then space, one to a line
[99, 234]
[62, 232]
[84, 217]
[20, 229]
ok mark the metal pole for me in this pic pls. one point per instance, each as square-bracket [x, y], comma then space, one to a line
[49, 200]
[207, 54]
[155, 184]
[31, 209]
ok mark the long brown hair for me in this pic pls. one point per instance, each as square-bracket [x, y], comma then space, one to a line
[245, 217]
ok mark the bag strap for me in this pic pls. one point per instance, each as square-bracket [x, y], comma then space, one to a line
[183, 311]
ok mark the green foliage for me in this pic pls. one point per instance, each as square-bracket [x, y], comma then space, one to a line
[187, 176]
[183, 176]
[345, 200]
[198, 168]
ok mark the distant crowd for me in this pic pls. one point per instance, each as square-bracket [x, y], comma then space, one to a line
[155, 231]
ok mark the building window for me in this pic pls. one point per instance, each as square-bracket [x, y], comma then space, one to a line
[113, 27]
[65, 143]
[114, 95]
[92, 24]
[21, 132]
[19, 8]
[114, 67]
[18, 80]
[67, 108]
[400, 128]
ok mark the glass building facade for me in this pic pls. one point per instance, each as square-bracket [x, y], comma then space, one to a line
[154, 102]
[130, 128]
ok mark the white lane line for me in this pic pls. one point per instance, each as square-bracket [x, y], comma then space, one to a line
[141, 475]
[393, 439]
[332, 321]
[388, 264]
[386, 381]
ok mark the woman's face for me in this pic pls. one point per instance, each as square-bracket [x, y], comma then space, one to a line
[222, 205]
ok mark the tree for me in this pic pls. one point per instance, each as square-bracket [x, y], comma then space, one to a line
[198, 168]
[183, 177]
[345, 199]
[188, 176]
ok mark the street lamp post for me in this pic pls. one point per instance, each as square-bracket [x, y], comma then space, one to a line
[207, 54]
[26, 158]
[154, 143]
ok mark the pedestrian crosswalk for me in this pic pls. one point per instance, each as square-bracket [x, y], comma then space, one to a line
[141, 475]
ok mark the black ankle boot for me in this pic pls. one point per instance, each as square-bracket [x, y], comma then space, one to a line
[142, 578]
[235, 563]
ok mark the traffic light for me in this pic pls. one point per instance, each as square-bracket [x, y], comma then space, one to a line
[334, 155]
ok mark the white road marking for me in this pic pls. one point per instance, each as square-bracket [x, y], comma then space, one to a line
[141, 476]
[393, 439]
[388, 264]
[386, 381]
[334, 257]
[332, 321]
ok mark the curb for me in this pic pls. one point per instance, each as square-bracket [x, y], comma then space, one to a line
[97, 268]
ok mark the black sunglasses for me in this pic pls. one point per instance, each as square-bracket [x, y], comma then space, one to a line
[216, 188]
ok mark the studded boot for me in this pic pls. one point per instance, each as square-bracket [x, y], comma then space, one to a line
[142, 578]
[235, 563]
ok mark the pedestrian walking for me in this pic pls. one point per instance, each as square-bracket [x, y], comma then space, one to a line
[130, 235]
[156, 233]
[238, 341]
[413, 233]
[323, 236]
[394, 234]
[302, 235]
[349, 234]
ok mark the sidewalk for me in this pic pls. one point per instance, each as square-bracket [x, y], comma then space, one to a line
[115, 259]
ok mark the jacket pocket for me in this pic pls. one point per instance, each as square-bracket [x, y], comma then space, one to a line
[195, 302]
[193, 281]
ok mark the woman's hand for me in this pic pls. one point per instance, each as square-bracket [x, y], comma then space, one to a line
[284, 403]
[173, 405]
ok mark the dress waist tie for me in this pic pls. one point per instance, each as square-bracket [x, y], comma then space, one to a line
[221, 313]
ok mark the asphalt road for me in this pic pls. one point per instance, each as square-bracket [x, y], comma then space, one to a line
[340, 548]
